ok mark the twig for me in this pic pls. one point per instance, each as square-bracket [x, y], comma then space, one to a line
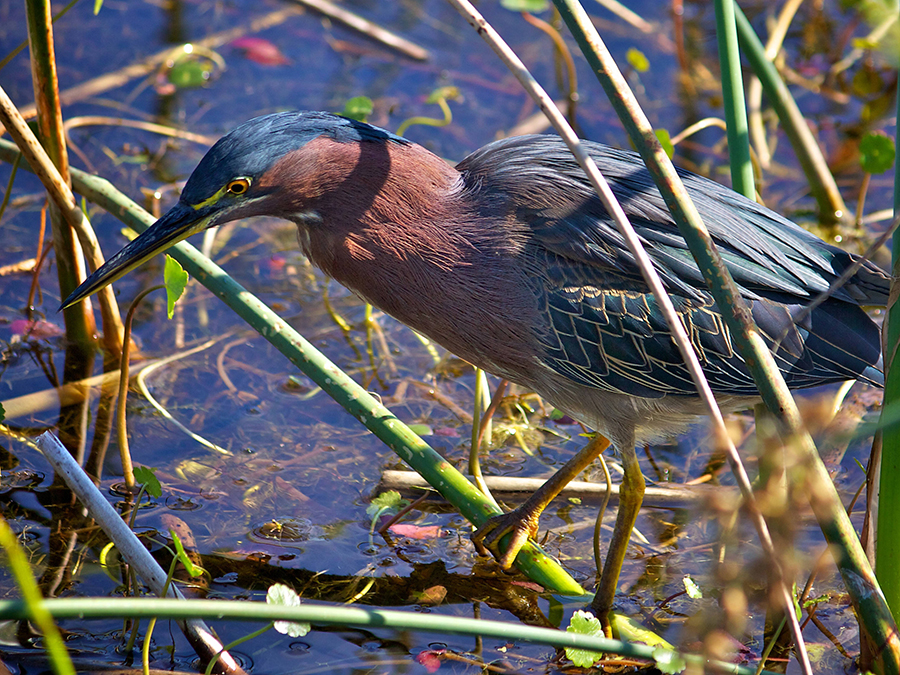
[367, 28]
[124, 75]
[62, 196]
[627, 15]
[162, 130]
[197, 632]
[510, 486]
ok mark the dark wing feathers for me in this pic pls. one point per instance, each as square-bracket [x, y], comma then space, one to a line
[767, 254]
[604, 328]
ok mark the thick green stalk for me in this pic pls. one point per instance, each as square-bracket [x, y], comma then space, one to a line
[852, 563]
[887, 539]
[803, 142]
[33, 607]
[742, 181]
[733, 97]
[356, 400]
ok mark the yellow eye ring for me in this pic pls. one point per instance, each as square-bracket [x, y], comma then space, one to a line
[238, 186]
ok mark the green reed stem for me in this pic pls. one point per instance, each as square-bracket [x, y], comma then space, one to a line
[733, 96]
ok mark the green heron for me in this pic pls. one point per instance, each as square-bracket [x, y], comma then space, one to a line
[510, 261]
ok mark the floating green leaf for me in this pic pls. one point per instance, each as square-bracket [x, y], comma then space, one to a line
[175, 279]
[189, 73]
[669, 661]
[284, 596]
[358, 108]
[421, 429]
[631, 630]
[386, 501]
[584, 623]
[637, 60]
[876, 152]
[693, 590]
[532, 6]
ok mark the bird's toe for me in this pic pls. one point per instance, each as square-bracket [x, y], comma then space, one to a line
[489, 539]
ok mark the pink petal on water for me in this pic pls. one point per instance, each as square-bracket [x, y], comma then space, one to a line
[430, 659]
[261, 51]
[35, 330]
[416, 531]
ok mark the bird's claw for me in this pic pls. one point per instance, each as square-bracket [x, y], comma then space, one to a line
[521, 524]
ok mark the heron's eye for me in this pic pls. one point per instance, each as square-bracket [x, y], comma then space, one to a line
[238, 186]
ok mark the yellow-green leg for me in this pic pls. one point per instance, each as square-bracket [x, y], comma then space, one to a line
[631, 495]
[522, 523]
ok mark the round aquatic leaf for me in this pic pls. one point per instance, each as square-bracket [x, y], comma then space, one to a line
[669, 661]
[279, 594]
[584, 623]
[692, 589]
[386, 501]
[146, 477]
[189, 73]
[876, 152]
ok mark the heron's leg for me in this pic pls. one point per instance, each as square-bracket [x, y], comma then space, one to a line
[522, 523]
[631, 494]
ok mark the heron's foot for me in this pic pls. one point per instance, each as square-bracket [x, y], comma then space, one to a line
[521, 524]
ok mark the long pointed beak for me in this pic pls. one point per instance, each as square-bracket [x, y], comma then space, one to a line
[178, 223]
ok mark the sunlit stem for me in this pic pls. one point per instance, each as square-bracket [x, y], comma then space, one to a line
[598, 524]
[121, 426]
[482, 389]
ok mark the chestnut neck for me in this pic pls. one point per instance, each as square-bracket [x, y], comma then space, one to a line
[398, 225]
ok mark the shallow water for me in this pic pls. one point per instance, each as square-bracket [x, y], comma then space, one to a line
[287, 500]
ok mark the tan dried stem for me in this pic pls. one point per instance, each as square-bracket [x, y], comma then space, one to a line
[64, 199]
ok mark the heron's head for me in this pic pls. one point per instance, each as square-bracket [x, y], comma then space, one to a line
[264, 167]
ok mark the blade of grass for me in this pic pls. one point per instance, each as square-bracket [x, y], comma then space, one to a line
[733, 97]
[821, 182]
[33, 604]
[887, 546]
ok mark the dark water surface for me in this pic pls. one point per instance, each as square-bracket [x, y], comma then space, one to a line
[286, 496]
